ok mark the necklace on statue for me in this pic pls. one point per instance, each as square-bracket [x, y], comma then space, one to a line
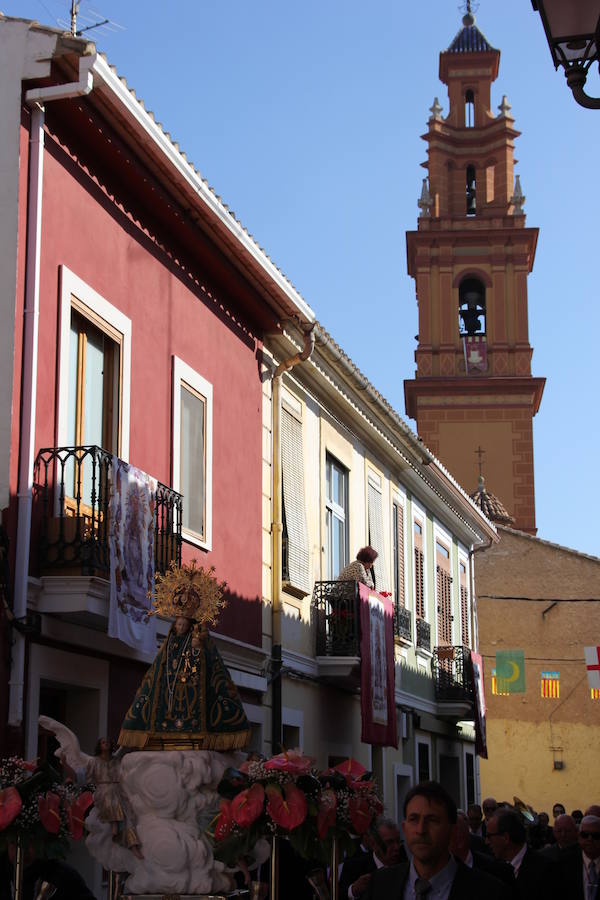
[174, 667]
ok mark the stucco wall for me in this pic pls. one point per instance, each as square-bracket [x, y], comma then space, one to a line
[559, 618]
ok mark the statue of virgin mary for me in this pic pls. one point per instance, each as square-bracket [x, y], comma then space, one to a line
[187, 700]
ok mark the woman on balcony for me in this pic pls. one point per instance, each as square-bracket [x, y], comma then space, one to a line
[361, 569]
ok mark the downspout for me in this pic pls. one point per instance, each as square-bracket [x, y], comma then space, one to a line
[35, 99]
[276, 539]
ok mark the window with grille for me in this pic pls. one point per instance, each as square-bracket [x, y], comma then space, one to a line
[419, 570]
[444, 593]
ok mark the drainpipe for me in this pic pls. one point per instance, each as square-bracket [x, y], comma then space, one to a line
[34, 98]
[276, 536]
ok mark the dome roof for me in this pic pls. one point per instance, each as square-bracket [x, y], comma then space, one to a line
[469, 39]
[490, 506]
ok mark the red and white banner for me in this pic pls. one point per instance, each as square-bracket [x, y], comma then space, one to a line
[377, 672]
[475, 347]
[592, 661]
[479, 701]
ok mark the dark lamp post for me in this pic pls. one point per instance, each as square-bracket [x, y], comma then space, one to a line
[573, 32]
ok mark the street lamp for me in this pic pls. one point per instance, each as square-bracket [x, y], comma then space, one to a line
[573, 32]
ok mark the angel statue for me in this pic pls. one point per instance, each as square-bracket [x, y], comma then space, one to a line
[103, 770]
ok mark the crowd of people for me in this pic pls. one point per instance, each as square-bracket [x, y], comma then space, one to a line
[497, 851]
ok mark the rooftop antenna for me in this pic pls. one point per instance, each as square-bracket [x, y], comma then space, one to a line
[89, 21]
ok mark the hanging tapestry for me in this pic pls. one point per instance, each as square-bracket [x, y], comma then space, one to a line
[131, 543]
[480, 708]
[377, 669]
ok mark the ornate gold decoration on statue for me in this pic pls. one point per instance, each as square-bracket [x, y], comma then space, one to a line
[189, 591]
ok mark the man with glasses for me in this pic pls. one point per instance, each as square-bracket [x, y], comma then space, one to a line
[537, 877]
[582, 875]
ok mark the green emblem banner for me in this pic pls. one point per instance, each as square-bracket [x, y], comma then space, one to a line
[510, 671]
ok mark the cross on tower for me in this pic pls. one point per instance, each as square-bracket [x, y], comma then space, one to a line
[479, 454]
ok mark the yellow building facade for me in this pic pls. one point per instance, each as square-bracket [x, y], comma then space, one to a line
[544, 599]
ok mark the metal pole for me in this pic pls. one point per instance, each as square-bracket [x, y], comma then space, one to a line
[19, 869]
[334, 869]
[274, 891]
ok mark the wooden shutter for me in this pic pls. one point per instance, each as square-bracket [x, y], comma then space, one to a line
[419, 571]
[464, 606]
[292, 466]
[444, 594]
[400, 597]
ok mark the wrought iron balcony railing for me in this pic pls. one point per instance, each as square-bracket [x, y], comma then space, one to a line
[336, 607]
[403, 623]
[73, 487]
[423, 635]
[452, 674]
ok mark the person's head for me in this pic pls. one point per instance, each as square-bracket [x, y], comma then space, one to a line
[589, 836]
[577, 816]
[565, 831]
[543, 819]
[429, 816]
[459, 841]
[104, 746]
[386, 842]
[489, 807]
[475, 817]
[593, 810]
[182, 625]
[558, 810]
[367, 556]
[505, 834]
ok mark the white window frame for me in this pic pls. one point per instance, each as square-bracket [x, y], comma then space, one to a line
[336, 511]
[463, 558]
[183, 373]
[445, 539]
[72, 285]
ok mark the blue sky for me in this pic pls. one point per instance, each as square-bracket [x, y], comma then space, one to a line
[306, 118]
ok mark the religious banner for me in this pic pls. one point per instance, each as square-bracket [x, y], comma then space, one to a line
[510, 671]
[377, 669]
[592, 661]
[131, 546]
[479, 702]
[550, 685]
[475, 349]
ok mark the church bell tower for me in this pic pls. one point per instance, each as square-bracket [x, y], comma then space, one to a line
[470, 257]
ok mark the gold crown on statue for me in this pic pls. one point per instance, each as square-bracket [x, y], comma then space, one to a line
[190, 591]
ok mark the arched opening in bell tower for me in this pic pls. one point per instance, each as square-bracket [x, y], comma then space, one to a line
[471, 307]
[469, 109]
[471, 191]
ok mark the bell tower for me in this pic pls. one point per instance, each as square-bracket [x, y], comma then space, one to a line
[470, 257]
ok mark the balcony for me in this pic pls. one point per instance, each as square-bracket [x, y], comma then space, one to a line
[337, 616]
[453, 680]
[403, 624]
[73, 532]
[423, 635]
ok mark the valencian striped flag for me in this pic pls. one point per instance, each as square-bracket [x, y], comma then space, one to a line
[595, 693]
[550, 685]
[510, 671]
[495, 685]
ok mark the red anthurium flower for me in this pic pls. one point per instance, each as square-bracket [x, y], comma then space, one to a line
[48, 809]
[287, 809]
[224, 822]
[76, 814]
[326, 813]
[247, 806]
[350, 769]
[292, 761]
[10, 806]
[361, 814]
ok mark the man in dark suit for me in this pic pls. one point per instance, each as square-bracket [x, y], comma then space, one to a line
[429, 818]
[383, 848]
[581, 871]
[537, 877]
[462, 848]
[566, 837]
